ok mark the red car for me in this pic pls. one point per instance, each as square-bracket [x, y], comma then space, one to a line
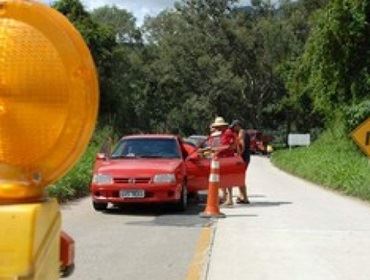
[258, 141]
[157, 169]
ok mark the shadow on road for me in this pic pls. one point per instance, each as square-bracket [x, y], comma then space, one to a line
[268, 203]
[165, 216]
[241, 215]
[151, 210]
[256, 196]
[195, 206]
[147, 210]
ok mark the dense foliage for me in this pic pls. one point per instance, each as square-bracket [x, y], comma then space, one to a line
[76, 182]
[333, 72]
[200, 59]
[292, 65]
[356, 114]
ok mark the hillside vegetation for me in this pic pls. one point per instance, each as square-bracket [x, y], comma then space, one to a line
[333, 74]
[333, 161]
[76, 182]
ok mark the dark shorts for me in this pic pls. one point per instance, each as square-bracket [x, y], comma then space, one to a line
[246, 157]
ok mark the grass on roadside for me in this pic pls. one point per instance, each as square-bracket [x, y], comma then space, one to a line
[76, 182]
[333, 161]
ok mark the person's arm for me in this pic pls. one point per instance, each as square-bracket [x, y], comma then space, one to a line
[233, 144]
[241, 139]
[232, 141]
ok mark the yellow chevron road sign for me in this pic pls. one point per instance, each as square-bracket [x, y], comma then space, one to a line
[361, 135]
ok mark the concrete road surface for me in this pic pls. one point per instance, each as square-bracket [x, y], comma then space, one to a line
[136, 243]
[293, 230]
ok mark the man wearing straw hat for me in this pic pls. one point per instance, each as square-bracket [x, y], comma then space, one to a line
[226, 137]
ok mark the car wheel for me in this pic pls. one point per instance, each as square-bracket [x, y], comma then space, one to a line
[67, 271]
[100, 206]
[193, 196]
[182, 204]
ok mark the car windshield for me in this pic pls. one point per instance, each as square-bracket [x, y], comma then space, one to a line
[147, 148]
[198, 140]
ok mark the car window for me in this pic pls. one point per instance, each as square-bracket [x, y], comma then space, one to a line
[147, 148]
[199, 141]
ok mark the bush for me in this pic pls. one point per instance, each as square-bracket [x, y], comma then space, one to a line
[356, 114]
[76, 183]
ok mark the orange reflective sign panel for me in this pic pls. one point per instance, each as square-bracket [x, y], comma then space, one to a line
[361, 135]
[48, 97]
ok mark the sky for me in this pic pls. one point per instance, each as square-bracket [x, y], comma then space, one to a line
[139, 8]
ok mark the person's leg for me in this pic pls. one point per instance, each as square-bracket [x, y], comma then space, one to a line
[243, 196]
[223, 195]
[229, 196]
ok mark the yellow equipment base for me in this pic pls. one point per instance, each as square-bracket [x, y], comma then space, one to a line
[30, 241]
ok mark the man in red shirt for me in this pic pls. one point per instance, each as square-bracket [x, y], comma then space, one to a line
[227, 138]
[223, 136]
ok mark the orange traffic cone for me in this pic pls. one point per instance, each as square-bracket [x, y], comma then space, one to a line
[212, 209]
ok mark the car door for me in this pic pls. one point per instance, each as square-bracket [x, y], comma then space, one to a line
[232, 171]
[197, 169]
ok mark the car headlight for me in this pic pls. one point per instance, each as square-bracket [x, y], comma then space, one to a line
[100, 179]
[164, 178]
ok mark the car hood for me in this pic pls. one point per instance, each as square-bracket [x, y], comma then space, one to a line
[139, 167]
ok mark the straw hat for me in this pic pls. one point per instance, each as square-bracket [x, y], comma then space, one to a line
[219, 121]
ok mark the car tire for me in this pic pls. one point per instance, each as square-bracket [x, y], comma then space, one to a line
[182, 204]
[67, 271]
[98, 206]
[193, 196]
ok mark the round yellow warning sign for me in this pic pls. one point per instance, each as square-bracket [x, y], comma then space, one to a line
[48, 98]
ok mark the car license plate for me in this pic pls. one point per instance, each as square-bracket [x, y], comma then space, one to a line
[132, 194]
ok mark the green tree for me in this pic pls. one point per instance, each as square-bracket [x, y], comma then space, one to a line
[101, 41]
[122, 22]
[189, 63]
[207, 50]
[201, 59]
[333, 72]
[126, 81]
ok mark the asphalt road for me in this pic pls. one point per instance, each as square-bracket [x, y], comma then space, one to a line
[134, 243]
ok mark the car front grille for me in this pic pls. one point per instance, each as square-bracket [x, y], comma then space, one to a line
[128, 180]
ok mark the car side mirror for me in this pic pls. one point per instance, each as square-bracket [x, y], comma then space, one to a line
[101, 156]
